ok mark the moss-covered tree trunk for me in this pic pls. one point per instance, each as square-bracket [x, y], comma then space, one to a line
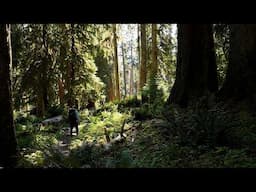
[241, 74]
[8, 143]
[196, 72]
[154, 65]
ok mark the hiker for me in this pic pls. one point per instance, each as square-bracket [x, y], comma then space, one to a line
[73, 117]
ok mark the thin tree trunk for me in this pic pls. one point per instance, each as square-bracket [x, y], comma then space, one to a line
[111, 92]
[117, 88]
[135, 82]
[124, 71]
[131, 74]
[138, 42]
[154, 51]
[8, 143]
[131, 80]
[45, 81]
[138, 64]
[71, 70]
[143, 63]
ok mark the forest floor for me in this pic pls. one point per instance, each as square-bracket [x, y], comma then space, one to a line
[64, 142]
[150, 140]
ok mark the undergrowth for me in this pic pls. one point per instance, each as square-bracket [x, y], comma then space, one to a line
[163, 137]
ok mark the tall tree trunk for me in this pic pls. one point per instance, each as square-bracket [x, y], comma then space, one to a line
[110, 81]
[143, 60]
[124, 71]
[143, 74]
[154, 65]
[131, 74]
[196, 73]
[111, 90]
[135, 81]
[8, 143]
[241, 74]
[154, 51]
[42, 92]
[137, 64]
[117, 88]
[45, 80]
[71, 70]
[65, 65]
[131, 80]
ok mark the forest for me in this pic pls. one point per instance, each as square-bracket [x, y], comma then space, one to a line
[127, 95]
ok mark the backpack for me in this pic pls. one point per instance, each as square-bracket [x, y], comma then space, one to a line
[72, 115]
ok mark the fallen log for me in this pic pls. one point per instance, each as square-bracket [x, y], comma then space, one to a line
[56, 119]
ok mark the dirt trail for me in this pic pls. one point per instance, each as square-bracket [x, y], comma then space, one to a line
[64, 142]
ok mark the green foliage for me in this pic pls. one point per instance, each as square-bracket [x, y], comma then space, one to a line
[111, 120]
[244, 133]
[199, 126]
[153, 108]
[102, 55]
[42, 55]
[167, 53]
[132, 102]
[23, 118]
[212, 126]
[194, 141]
[110, 106]
[55, 110]
[142, 113]
[125, 159]
[35, 159]
[221, 40]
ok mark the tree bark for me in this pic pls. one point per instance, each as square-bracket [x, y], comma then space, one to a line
[154, 65]
[117, 88]
[71, 70]
[196, 73]
[61, 91]
[131, 74]
[154, 51]
[111, 93]
[240, 80]
[8, 143]
[143, 73]
[45, 80]
[124, 71]
[137, 81]
[131, 80]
